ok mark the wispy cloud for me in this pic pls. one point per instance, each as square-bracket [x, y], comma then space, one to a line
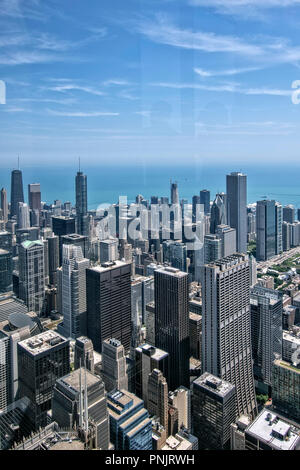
[246, 8]
[41, 47]
[228, 72]
[230, 88]
[46, 100]
[262, 50]
[127, 95]
[29, 57]
[81, 113]
[14, 109]
[163, 31]
[116, 82]
[73, 86]
[22, 9]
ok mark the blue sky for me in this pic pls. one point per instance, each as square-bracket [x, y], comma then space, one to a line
[156, 81]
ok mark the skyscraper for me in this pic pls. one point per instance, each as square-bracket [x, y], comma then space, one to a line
[175, 253]
[218, 213]
[172, 322]
[109, 303]
[265, 230]
[114, 365]
[289, 214]
[4, 205]
[53, 258]
[158, 397]
[72, 291]
[212, 248]
[181, 400]
[17, 194]
[147, 358]
[266, 332]
[286, 386]
[205, 200]
[34, 196]
[62, 226]
[81, 204]
[226, 327]
[268, 229]
[84, 353]
[31, 275]
[227, 236]
[174, 193]
[214, 410]
[5, 271]
[195, 206]
[23, 217]
[79, 401]
[41, 360]
[236, 190]
[130, 425]
[76, 240]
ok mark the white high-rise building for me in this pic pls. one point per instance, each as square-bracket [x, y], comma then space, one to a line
[114, 365]
[226, 327]
[181, 399]
[72, 291]
[23, 215]
[32, 275]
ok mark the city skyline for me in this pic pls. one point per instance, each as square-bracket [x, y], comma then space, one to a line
[149, 227]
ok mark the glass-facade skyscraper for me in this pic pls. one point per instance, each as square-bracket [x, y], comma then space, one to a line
[236, 190]
[171, 294]
[17, 194]
[81, 204]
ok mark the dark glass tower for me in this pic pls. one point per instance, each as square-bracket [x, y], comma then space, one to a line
[174, 193]
[62, 226]
[265, 230]
[236, 184]
[172, 322]
[205, 200]
[41, 360]
[218, 213]
[108, 290]
[81, 203]
[17, 194]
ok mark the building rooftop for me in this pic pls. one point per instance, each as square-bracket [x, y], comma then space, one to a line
[229, 261]
[109, 265]
[74, 236]
[9, 305]
[154, 352]
[42, 342]
[274, 430]
[138, 279]
[171, 271]
[290, 336]
[30, 244]
[172, 443]
[72, 380]
[214, 384]
[120, 401]
[195, 316]
[286, 365]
